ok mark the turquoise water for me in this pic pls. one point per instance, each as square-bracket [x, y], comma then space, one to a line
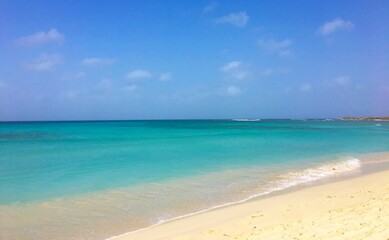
[158, 170]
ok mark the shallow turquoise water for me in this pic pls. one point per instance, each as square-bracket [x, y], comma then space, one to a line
[93, 180]
[47, 160]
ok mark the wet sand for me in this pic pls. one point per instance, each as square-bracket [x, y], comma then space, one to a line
[353, 208]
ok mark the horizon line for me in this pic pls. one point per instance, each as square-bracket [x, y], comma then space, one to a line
[180, 119]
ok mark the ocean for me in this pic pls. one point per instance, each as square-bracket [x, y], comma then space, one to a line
[99, 179]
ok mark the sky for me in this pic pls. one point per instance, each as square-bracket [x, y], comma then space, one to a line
[103, 60]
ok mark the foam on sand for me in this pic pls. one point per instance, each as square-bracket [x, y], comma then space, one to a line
[355, 208]
[314, 174]
[285, 181]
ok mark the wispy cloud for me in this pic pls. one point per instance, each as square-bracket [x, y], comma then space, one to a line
[165, 76]
[239, 19]
[70, 94]
[97, 62]
[2, 85]
[229, 91]
[193, 94]
[275, 45]
[41, 38]
[342, 81]
[231, 66]
[45, 62]
[306, 87]
[267, 73]
[273, 71]
[71, 76]
[281, 48]
[104, 86]
[235, 70]
[138, 74]
[210, 7]
[233, 91]
[335, 25]
[130, 88]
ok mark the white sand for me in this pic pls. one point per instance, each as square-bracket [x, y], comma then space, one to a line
[356, 208]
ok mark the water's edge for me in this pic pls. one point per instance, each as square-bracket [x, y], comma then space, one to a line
[352, 168]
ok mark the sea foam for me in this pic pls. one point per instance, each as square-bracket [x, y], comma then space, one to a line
[246, 120]
[284, 181]
[313, 174]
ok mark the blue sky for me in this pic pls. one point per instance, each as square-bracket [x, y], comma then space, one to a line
[79, 60]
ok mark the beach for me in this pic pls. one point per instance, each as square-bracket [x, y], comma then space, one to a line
[206, 179]
[194, 120]
[353, 208]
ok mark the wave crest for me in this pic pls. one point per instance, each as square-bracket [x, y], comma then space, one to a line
[285, 181]
[246, 120]
[313, 174]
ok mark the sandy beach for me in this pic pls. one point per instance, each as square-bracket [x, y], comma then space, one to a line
[194, 120]
[354, 208]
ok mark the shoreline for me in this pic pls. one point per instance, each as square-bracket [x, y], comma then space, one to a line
[194, 224]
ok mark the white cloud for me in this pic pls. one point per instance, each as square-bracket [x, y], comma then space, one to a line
[104, 86]
[45, 62]
[138, 74]
[165, 76]
[130, 88]
[342, 80]
[282, 48]
[235, 70]
[239, 19]
[305, 87]
[272, 44]
[97, 62]
[273, 71]
[233, 91]
[335, 25]
[210, 7]
[231, 66]
[41, 38]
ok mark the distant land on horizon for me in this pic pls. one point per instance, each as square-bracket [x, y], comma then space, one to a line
[365, 118]
[371, 118]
